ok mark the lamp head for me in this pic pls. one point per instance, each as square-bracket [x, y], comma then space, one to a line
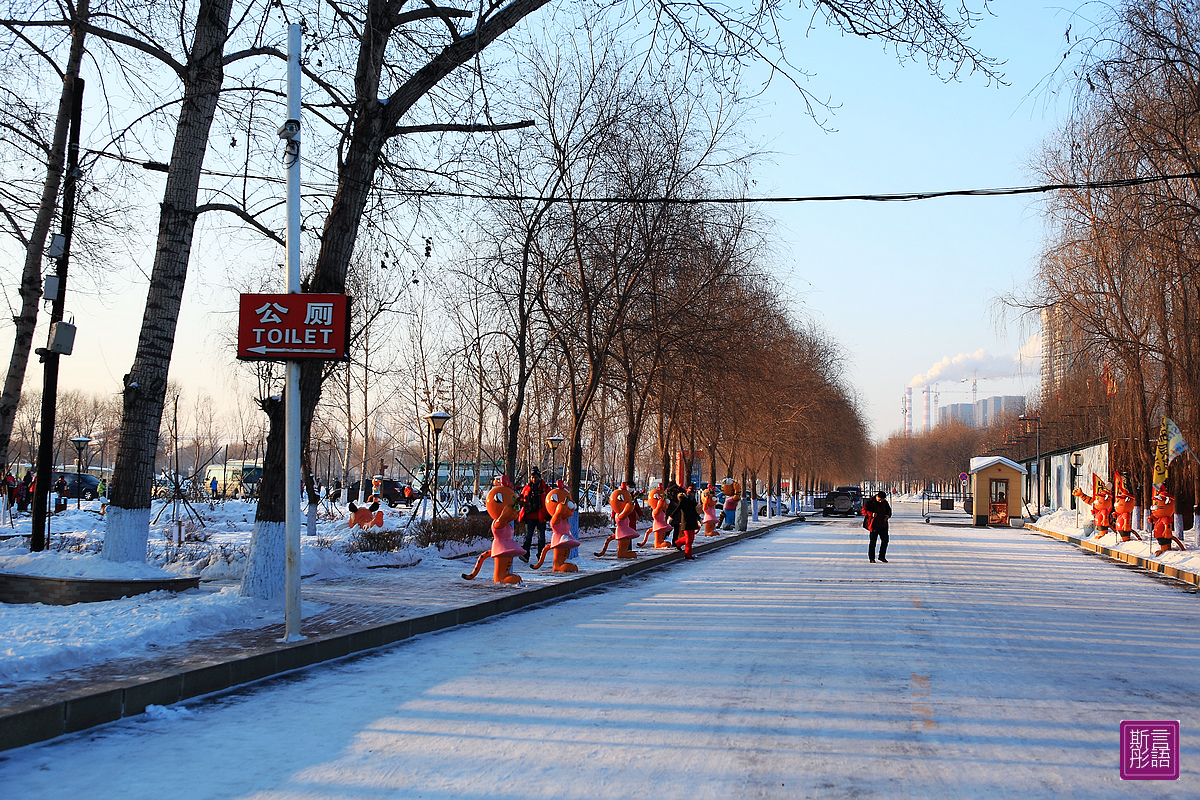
[437, 420]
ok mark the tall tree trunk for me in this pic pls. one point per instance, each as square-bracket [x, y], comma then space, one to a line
[127, 527]
[373, 123]
[35, 248]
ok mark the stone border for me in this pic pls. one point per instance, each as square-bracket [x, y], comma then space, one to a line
[28, 723]
[1148, 564]
[18, 588]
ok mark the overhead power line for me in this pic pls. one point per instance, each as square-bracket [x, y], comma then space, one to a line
[877, 198]
[892, 197]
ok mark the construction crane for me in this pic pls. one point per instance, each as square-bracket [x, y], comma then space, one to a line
[975, 379]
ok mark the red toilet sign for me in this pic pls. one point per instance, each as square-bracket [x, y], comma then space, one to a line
[282, 327]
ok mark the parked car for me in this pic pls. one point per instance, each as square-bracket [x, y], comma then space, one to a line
[780, 506]
[837, 502]
[164, 486]
[79, 485]
[392, 492]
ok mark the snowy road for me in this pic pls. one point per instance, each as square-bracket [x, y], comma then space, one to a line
[978, 664]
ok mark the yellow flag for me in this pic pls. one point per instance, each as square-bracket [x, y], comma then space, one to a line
[1161, 456]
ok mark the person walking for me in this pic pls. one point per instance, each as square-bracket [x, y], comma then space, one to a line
[880, 511]
[689, 519]
[533, 512]
[213, 486]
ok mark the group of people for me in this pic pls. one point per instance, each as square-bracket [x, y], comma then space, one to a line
[683, 513]
[19, 493]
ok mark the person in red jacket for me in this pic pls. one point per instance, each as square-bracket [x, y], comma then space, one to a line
[533, 512]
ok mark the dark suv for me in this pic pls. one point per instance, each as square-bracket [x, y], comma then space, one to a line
[837, 502]
[856, 496]
[391, 491]
[78, 485]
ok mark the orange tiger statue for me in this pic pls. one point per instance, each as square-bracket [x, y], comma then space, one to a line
[708, 504]
[1162, 511]
[561, 508]
[623, 509]
[503, 506]
[733, 495]
[657, 500]
[1101, 502]
[1123, 505]
[369, 517]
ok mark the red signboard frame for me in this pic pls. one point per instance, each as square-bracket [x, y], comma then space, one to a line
[284, 327]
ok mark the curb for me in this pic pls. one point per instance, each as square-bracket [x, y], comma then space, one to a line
[1148, 564]
[27, 723]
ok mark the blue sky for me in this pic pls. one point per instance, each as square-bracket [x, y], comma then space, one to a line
[902, 286]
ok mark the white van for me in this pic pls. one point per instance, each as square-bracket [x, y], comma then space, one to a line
[235, 478]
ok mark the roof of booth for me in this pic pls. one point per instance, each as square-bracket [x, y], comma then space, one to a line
[981, 463]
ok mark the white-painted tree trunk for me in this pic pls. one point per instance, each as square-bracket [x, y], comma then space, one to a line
[126, 533]
[265, 570]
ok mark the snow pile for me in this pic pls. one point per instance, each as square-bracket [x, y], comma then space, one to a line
[51, 564]
[324, 562]
[1079, 524]
[39, 639]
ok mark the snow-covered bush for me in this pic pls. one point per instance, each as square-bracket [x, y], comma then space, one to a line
[375, 540]
[451, 529]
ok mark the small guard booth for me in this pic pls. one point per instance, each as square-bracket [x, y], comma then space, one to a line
[996, 486]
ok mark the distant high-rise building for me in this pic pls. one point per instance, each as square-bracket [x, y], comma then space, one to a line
[983, 412]
[1057, 343]
[958, 412]
[991, 408]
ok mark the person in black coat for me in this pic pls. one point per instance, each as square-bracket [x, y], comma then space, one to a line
[880, 511]
[689, 519]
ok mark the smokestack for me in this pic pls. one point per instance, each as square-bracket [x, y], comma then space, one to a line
[925, 419]
[908, 409]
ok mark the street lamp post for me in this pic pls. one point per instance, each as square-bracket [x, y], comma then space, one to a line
[437, 420]
[1038, 454]
[1076, 463]
[553, 442]
[80, 442]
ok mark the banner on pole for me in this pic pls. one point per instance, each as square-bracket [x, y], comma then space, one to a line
[1170, 446]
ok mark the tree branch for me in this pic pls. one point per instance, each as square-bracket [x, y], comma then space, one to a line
[245, 217]
[401, 130]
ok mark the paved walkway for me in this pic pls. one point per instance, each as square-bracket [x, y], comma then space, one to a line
[363, 611]
[980, 663]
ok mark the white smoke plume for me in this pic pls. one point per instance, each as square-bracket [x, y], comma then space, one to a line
[982, 364]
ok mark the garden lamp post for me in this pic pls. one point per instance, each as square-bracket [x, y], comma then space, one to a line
[553, 442]
[437, 420]
[80, 442]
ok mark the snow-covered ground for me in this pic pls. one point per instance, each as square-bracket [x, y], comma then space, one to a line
[1072, 523]
[36, 640]
[979, 663]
